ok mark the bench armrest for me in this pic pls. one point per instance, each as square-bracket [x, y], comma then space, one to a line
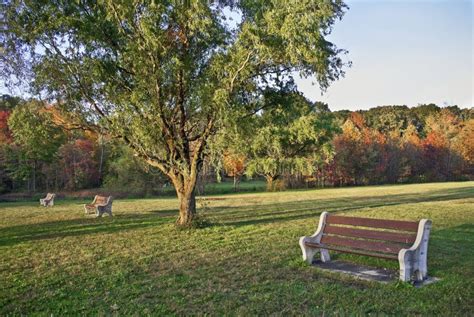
[414, 259]
[309, 252]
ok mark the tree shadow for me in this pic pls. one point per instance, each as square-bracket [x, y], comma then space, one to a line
[287, 211]
[253, 214]
[83, 226]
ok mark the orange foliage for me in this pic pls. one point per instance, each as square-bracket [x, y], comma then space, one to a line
[358, 120]
[465, 142]
[67, 122]
[234, 164]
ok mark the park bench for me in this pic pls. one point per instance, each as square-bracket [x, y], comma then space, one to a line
[99, 206]
[48, 200]
[405, 241]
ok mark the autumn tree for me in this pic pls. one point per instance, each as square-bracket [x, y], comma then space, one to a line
[362, 154]
[349, 160]
[234, 166]
[411, 151]
[5, 140]
[7, 104]
[78, 163]
[164, 75]
[5, 133]
[464, 146]
[440, 156]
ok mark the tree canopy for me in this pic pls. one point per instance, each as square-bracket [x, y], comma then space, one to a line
[289, 137]
[165, 75]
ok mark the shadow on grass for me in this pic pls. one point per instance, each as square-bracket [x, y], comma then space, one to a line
[84, 226]
[268, 213]
[233, 216]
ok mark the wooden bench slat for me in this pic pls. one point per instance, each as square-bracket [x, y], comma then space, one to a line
[407, 238]
[353, 251]
[373, 223]
[361, 244]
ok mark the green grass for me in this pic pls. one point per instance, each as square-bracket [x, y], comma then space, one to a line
[226, 186]
[58, 261]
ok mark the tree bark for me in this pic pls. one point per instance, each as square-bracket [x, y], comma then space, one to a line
[186, 192]
[34, 176]
[270, 182]
[187, 208]
[236, 182]
[101, 162]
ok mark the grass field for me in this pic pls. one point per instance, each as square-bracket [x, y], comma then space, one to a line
[58, 261]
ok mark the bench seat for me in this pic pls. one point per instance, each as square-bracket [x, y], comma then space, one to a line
[405, 241]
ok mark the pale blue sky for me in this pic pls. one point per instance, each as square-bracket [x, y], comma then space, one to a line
[403, 52]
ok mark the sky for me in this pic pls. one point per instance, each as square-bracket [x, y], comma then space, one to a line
[404, 53]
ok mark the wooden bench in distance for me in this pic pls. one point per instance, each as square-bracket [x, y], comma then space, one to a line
[405, 241]
[48, 200]
[99, 206]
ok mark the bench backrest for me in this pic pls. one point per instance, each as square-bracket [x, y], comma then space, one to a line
[50, 196]
[101, 200]
[374, 235]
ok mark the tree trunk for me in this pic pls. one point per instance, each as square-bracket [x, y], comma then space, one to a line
[186, 192]
[73, 168]
[236, 182]
[187, 208]
[34, 176]
[101, 161]
[270, 182]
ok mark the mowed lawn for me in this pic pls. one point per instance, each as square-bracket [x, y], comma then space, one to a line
[59, 261]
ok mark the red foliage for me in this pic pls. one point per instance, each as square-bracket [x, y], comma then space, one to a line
[79, 165]
[367, 156]
[5, 133]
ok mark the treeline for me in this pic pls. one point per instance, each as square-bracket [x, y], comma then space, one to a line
[296, 144]
[41, 150]
[398, 144]
[299, 144]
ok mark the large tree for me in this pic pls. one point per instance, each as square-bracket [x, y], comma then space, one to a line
[164, 75]
[38, 139]
[290, 136]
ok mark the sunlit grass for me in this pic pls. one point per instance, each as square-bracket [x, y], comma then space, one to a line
[59, 261]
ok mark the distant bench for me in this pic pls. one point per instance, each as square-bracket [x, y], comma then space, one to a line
[48, 200]
[99, 206]
[405, 241]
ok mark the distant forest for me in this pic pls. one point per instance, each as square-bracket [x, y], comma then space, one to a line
[42, 150]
